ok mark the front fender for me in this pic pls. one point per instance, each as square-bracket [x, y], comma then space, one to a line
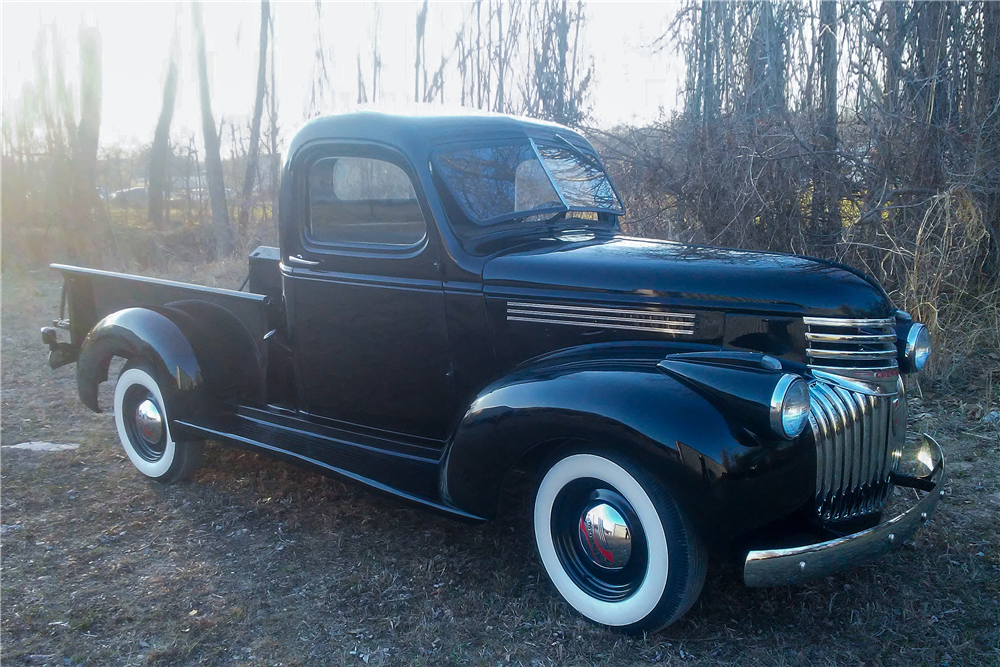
[137, 332]
[726, 480]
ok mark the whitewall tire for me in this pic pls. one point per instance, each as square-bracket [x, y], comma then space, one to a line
[141, 418]
[614, 543]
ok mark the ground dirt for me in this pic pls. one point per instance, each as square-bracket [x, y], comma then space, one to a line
[256, 562]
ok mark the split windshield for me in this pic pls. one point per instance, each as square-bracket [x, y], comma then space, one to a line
[527, 180]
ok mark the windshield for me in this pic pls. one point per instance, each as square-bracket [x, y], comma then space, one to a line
[522, 180]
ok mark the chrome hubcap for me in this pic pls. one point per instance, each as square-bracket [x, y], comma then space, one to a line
[149, 421]
[606, 536]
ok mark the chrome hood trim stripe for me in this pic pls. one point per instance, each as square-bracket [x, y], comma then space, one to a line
[599, 317]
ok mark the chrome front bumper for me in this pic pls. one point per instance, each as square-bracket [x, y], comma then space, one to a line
[778, 567]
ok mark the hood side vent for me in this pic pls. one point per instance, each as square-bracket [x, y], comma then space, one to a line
[600, 317]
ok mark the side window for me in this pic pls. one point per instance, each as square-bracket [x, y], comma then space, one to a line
[356, 200]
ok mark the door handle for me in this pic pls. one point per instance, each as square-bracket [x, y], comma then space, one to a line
[297, 260]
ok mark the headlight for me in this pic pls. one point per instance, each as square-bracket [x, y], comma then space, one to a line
[918, 347]
[790, 406]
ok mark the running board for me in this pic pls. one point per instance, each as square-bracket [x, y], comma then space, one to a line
[406, 477]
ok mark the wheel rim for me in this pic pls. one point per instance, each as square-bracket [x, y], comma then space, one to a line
[143, 421]
[606, 536]
[599, 540]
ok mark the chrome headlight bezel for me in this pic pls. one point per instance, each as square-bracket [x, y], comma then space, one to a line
[790, 407]
[917, 349]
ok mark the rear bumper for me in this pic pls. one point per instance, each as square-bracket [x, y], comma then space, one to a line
[60, 354]
[778, 567]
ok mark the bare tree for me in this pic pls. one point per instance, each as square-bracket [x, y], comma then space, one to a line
[420, 52]
[376, 53]
[91, 86]
[362, 92]
[63, 95]
[558, 80]
[213, 160]
[487, 47]
[84, 212]
[825, 198]
[50, 158]
[374, 30]
[273, 129]
[509, 38]
[258, 111]
[321, 85]
[159, 152]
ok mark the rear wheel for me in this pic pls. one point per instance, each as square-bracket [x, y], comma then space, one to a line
[141, 418]
[614, 542]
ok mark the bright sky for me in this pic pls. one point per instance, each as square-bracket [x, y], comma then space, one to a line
[633, 82]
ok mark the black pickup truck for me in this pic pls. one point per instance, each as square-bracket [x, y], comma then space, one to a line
[453, 298]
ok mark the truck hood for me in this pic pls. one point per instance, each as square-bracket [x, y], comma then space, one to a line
[649, 271]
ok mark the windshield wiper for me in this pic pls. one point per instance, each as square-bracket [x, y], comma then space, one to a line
[541, 223]
[547, 223]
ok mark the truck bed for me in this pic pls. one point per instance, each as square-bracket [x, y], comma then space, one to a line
[91, 294]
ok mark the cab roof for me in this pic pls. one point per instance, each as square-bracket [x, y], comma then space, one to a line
[417, 135]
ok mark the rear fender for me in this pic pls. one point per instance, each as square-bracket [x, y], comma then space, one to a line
[725, 480]
[138, 333]
[208, 354]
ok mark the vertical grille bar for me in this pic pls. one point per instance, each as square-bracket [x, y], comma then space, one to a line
[882, 441]
[854, 450]
[873, 455]
[833, 449]
[864, 449]
[818, 422]
[855, 441]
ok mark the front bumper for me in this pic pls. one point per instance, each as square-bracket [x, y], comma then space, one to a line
[778, 567]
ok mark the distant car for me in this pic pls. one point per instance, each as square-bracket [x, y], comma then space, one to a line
[130, 196]
[453, 298]
[182, 197]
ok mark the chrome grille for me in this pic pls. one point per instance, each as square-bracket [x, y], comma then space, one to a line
[858, 444]
[836, 344]
[630, 319]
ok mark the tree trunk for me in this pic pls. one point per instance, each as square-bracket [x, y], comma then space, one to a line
[213, 161]
[273, 136]
[89, 128]
[362, 93]
[931, 99]
[986, 105]
[421, 23]
[258, 111]
[159, 153]
[376, 56]
[88, 131]
[500, 59]
[561, 28]
[825, 209]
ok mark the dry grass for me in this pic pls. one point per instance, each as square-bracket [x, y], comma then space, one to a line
[936, 270]
[258, 563]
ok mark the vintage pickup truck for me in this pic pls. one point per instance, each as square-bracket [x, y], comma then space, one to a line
[453, 298]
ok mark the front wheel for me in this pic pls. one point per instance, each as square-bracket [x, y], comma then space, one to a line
[614, 543]
[141, 417]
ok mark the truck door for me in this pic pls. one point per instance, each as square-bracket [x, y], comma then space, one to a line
[364, 294]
